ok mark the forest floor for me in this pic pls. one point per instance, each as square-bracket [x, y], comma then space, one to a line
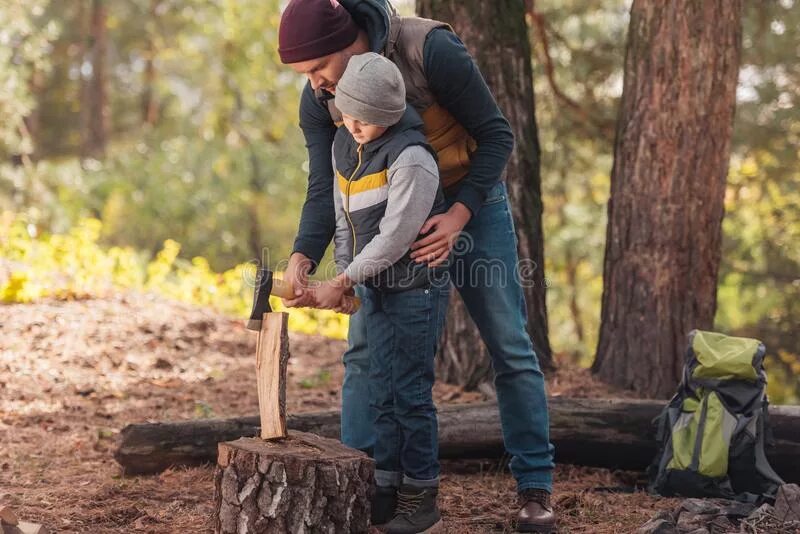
[73, 374]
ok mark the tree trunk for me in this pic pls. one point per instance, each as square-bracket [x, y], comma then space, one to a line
[667, 189]
[612, 433]
[497, 37]
[95, 99]
[304, 483]
[32, 122]
[149, 102]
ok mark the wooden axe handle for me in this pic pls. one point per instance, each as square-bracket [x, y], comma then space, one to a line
[282, 289]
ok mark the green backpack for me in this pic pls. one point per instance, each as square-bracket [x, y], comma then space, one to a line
[713, 431]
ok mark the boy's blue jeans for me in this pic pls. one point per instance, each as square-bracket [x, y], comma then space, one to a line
[402, 331]
[484, 271]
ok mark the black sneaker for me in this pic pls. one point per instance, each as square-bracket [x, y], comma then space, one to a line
[384, 503]
[416, 513]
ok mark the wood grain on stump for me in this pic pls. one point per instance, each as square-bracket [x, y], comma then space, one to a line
[302, 484]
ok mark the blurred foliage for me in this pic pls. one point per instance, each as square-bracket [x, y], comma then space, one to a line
[204, 151]
[24, 47]
[75, 265]
[578, 53]
[759, 289]
[220, 168]
[321, 379]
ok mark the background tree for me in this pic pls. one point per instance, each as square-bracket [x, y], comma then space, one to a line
[95, 91]
[496, 35]
[665, 213]
[149, 76]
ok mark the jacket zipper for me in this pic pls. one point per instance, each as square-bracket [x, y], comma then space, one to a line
[347, 200]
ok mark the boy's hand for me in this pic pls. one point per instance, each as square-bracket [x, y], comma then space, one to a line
[329, 294]
[347, 306]
[296, 275]
[434, 249]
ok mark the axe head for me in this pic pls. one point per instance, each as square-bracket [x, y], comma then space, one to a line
[260, 298]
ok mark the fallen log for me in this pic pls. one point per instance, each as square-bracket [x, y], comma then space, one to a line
[612, 433]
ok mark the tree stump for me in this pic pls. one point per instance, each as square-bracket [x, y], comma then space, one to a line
[301, 484]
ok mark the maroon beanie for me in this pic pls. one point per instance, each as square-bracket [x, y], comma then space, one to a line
[314, 28]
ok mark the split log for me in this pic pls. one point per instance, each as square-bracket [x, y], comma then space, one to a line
[303, 483]
[613, 433]
[272, 356]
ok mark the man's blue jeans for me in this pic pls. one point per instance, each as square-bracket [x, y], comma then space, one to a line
[402, 335]
[485, 271]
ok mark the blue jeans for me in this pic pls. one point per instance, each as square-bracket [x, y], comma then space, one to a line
[484, 271]
[403, 331]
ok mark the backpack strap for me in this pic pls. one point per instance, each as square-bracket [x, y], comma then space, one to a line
[762, 464]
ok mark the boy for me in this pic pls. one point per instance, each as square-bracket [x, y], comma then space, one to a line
[386, 187]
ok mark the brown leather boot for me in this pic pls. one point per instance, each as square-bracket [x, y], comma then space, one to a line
[535, 514]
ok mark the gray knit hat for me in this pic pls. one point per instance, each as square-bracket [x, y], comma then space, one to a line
[372, 90]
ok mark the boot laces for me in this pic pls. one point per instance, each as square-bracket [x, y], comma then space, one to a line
[407, 503]
[536, 495]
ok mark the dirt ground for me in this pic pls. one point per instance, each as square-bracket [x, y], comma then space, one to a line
[73, 374]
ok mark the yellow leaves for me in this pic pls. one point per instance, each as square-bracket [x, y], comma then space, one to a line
[159, 269]
[74, 265]
[17, 289]
[221, 166]
[749, 167]
[791, 360]
[311, 321]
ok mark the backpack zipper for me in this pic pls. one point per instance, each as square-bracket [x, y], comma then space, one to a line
[347, 200]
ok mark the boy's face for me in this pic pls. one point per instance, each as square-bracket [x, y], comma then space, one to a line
[324, 72]
[361, 131]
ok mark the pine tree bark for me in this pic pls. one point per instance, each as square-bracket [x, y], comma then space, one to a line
[663, 242]
[496, 34]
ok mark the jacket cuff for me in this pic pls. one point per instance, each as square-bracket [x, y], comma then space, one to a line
[470, 197]
[310, 251]
[352, 273]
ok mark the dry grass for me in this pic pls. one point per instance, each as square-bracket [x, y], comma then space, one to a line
[72, 374]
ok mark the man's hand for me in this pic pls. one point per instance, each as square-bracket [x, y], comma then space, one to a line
[434, 249]
[296, 275]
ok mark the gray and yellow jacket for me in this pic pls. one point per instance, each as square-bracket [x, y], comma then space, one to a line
[462, 121]
[384, 191]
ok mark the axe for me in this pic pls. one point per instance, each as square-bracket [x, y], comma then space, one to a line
[266, 285]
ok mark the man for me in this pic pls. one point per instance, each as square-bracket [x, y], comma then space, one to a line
[473, 142]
